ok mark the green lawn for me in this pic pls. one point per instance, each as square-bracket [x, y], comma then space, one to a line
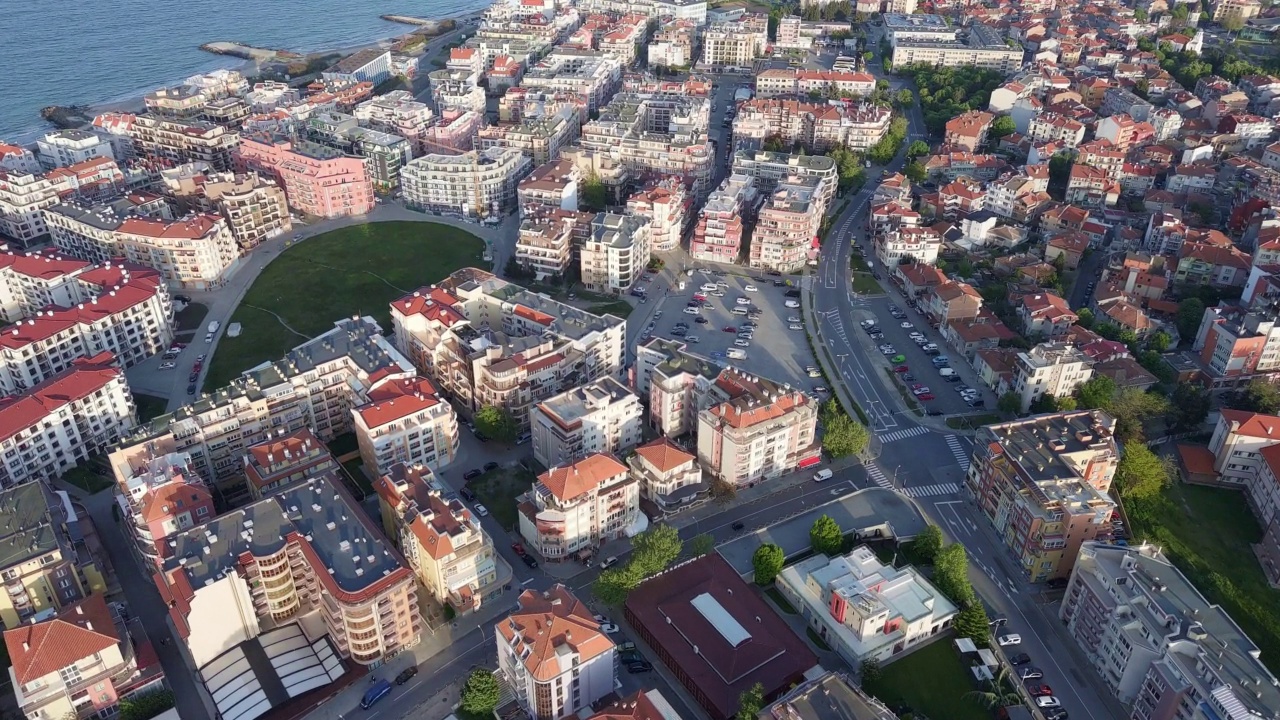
[931, 681]
[776, 596]
[191, 318]
[149, 406]
[354, 270]
[866, 284]
[1207, 533]
[88, 476]
[497, 491]
[621, 308]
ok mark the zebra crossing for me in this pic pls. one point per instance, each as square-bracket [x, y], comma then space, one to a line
[931, 490]
[902, 434]
[958, 452]
[877, 476]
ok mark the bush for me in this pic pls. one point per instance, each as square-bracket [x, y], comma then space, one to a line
[146, 706]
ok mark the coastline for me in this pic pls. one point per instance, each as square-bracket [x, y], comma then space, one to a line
[134, 102]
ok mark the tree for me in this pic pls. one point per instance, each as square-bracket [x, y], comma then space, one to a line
[1190, 313]
[842, 435]
[613, 585]
[928, 543]
[1065, 404]
[723, 491]
[1096, 393]
[653, 550]
[1009, 402]
[775, 143]
[1141, 473]
[480, 693]
[972, 622]
[146, 705]
[1188, 407]
[1000, 127]
[496, 423]
[1044, 404]
[951, 573]
[767, 563]
[1131, 408]
[1232, 23]
[917, 148]
[999, 693]
[915, 172]
[1086, 318]
[870, 671]
[751, 702]
[1140, 14]
[595, 196]
[1258, 396]
[825, 536]
[701, 545]
[904, 98]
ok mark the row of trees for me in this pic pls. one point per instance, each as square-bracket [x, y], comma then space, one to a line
[887, 148]
[946, 92]
[842, 436]
[652, 551]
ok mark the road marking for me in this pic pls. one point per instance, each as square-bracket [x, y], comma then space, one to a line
[958, 452]
[931, 490]
[903, 434]
[877, 476]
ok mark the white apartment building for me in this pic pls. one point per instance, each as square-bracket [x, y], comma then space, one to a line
[669, 477]
[1163, 649]
[1052, 369]
[539, 137]
[919, 243]
[150, 480]
[61, 422]
[673, 44]
[656, 135]
[485, 341]
[17, 159]
[601, 417]
[786, 229]
[573, 509]
[197, 252]
[1237, 445]
[615, 254]
[473, 184]
[1052, 127]
[61, 148]
[732, 45]
[864, 609]
[591, 75]
[796, 83]
[721, 227]
[978, 46]
[254, 206]
[756, 430]
[665, 206]
[552, 186]
[457, 91]
[185, 141]
[677, 383]
[405, 421]
[399, 114]
[23, 198]
[553, 654]
[545, 244]
[121, 309]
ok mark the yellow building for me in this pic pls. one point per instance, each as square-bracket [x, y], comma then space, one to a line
[44, 562]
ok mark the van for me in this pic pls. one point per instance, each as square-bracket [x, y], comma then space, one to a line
[739, 310]
[929, 346]
[823, 474]
[737, 354]
[946, 372]
[380, 689]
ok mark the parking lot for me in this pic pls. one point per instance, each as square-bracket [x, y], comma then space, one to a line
[773, 350]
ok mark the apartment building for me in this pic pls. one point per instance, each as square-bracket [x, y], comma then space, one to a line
[15, 158]
[196, 252]
[78, 664]
[673, 45]
[485, 341]
[1233, 10]
[23, 198]
[443, 542]
[756, 429]
[796, 83]
[405, 421]
[540, 138]
[548, 240]
[677, 384]
[553, 655]
[399, 114]
[1052, 127]
[721, 227]
[280, 462]
[735, 44]
[1042, 482]
[1234, 345]
[474, 184]
[665, 204]
[314, 386]
[62, 421]
[68, 309]
[47, 566]
[1238, 443]
[953, 301]
[573, 509]
[254, 206]
[656, 135]
[184, 141]
[975, 45]
[614, 256]
[1050, 370]
[549, 187]
[274, 561]
[384, 154]
[590, 75]
[669, 477]
[1162, 648]
[816, 126]
[317, 180]
[61, 148]
[601, 417]
[785, 237]
[921, 244]
[969, 130]
[158, 493]
[864, 609]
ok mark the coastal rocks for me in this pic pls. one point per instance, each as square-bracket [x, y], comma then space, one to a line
[67, 117]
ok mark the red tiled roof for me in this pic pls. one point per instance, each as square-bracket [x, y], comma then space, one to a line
[77, 633]
[85, 377]
[392, 400]
[581, 477]
[1253, 424]
[191, 228]
[663, 454]
[548, 621]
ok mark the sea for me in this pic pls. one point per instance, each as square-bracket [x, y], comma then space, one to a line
[91, 52]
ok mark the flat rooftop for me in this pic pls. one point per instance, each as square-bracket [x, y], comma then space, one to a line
[583, 400]
[1044, 446]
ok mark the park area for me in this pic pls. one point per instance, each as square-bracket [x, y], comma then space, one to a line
[931, 681]
[356, 270]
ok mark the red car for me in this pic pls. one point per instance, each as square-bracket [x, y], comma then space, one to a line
[926, 396]
[1040, 690]
[901, 369]
[518, 548]
[730, 328]
[699, 297]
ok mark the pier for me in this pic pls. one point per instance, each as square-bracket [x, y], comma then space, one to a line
[248, 52]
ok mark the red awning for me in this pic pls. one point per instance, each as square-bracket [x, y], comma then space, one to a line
[809, 462]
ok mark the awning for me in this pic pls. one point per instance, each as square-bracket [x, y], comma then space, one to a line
[809, 462]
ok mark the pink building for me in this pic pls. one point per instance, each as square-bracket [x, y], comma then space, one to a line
[317, 180]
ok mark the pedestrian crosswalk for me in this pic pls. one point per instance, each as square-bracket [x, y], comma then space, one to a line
[902, 434]
[957, 450]
[877, 476]
[931, 490]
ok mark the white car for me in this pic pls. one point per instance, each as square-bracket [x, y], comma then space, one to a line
[692, 339]
[795, 326]
[814, 372]
[1048, 701]
[602, 619]
[889, 351]
[794, 318]
[708, 287]
[749, 288]
[921, 391]
[742, 301]
[792, 303]
[906, 325]
[1009, 640]
[867, 323]
[481, 510]
[606, 563]
[742, 343]
[610, 629]
[168, 366]
[691, 311]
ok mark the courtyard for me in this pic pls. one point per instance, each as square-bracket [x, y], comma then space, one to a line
[356, 270]
[931, 681]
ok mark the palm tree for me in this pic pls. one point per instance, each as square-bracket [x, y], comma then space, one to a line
[999, 693]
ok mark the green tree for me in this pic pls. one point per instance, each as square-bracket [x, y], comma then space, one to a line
[951, 573]
[1141, 473]
[480, 693]
[1000, 127]
[1086, 318]
[767, 563]
[870, 671]
[1131, 408]
[1232, 23]
[996, 693]
[496, 423]
[613, 585]
[825, 536]
[915, 172]
[701, 545]
[1009, 402]
[972, 622]
[1044, 404]
[595, 196]
[751, 702]
[1065, 404]
[1188, 407]
[1190, 313]
[1096, 393]
[146, 705]
[904, 98]
[653, 550]
[1140, 14]
[1258, 396]
[928, 543]
[917, 148]
[841, 435]
[775, 143]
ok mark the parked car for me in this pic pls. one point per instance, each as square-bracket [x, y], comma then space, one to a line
[490, 466]
[481, 510]
[610, 628]
[1048, 701]
[168, 365]
[1037, 688]
[528, 560]
[406, 675]
[1009, 640]
[472, 474]
[738, 526]
[1020, 659]
[607, 562]
[639, 667]
[1030, 673]
[467, 495]
[191, 389]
